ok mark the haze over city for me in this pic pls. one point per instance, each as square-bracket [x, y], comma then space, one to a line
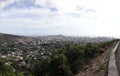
[66, 17]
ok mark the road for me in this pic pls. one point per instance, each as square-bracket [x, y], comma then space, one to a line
[118, 59]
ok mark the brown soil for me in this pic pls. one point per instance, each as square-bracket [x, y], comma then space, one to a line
[97, 66]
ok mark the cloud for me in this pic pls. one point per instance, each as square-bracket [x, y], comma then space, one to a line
[61, 24]
[4, 3]
[25, 13]
[51, 17]
[64, 6]
[68, 17]
[56, 7]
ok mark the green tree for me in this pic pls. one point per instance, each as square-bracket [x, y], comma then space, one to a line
[59, 66]
[75, 57]
[5, 69]
[2, 66]
[41, 68]
[89, 51]
[16, 67]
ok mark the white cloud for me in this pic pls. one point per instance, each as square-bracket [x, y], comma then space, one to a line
[64, 6]
[103, 21]
[41, 2]
[31, 11]
[5, 3]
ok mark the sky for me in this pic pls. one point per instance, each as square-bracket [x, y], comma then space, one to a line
[66, 17]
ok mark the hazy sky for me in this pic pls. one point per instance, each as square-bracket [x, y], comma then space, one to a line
[67, 17]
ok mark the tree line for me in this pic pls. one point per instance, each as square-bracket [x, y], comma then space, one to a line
[65, 61]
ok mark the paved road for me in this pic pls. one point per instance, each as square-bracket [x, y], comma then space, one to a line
[112, 67]
[118, 59]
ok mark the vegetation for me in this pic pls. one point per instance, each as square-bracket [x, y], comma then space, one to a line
[101, 66]
[65, 61]
[69, 60]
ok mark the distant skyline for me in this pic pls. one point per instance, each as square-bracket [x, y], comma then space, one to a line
[66, 17]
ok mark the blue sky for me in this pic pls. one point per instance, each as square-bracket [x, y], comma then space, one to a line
[67, 17]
